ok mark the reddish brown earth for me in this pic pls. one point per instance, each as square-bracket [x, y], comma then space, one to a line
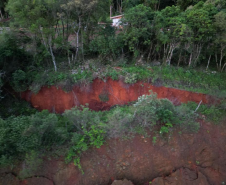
[179, 159]
[117, 92]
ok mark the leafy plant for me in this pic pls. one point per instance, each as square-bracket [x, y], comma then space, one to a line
[131, 79]
[154, 139]
[94, 137]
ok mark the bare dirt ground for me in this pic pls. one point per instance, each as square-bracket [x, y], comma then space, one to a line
[178, 159]
[115, 92]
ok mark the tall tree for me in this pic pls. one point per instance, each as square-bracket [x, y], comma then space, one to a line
[200, 19]
[220, 40]
[77, 15]
[2, 8]
[171, 31]
[39, 17]
[138, 32]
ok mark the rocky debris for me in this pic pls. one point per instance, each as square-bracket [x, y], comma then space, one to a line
[37, 181]
[122, 165]
[122, 182]
[183, 176]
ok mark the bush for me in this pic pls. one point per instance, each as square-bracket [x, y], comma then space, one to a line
[26, 137]
[88, 133]
[119, 122]
[19, 79]
[107, 43]
[44, 126]
[82, 119]
[94, 136]
[22, 134]
[145, 110]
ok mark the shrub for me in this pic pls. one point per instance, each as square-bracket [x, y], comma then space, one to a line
[44, 126]
[81, 141]
[82, 119]
[11, 107]
[145, 110]
[19, 81]
[22, 134]
[119, 122]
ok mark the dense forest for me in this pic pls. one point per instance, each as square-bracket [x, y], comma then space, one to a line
[66, 33]
[52, 42]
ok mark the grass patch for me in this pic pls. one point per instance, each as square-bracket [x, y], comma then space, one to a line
[206, 82]
[212, 83]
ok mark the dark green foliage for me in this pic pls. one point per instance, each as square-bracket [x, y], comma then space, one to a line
[107, 44]
[1, 84]
[186, 3]
[88, 132]
[19, 81]
[146, 110]
[14, 59]
[149, 112]
[139, 29]
[93, 137]
[12, 53]
[22, 134]
[13, 107]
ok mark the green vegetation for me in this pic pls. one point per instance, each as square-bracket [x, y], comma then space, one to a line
[29, 137]
[180, 44]
[177, 77]
[192, 80]
[212, 113]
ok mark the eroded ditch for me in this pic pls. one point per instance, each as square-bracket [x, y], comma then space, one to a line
[102, 95]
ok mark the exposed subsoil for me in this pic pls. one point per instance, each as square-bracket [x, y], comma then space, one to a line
[177, 159]
[102, 95]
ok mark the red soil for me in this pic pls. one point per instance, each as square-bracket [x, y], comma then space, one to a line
[177, 159]
[117, 92]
